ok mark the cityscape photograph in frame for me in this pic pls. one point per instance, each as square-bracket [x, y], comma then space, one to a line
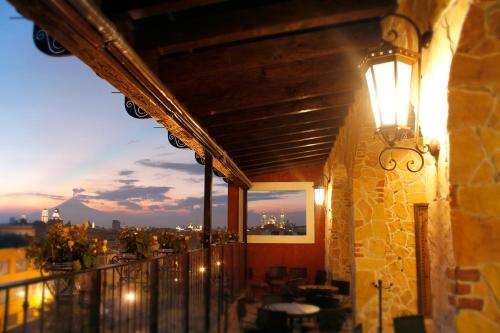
[280, 212]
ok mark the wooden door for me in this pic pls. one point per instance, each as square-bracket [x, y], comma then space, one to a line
[423, 260]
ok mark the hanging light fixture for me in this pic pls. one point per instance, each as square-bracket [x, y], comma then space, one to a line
[388, 73]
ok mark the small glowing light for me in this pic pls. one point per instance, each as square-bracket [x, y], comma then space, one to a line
[176, 280]
[21, 293]
[218, 263]
[130, 296]
[202, 269]
[319, 195]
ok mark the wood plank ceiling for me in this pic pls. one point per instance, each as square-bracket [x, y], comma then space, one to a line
[270, 80]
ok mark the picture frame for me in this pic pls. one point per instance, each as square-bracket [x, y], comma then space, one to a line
[308, 188]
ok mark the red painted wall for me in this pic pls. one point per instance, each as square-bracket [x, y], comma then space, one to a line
[312, 256]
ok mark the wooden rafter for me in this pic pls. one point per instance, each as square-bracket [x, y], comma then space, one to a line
[239, 22]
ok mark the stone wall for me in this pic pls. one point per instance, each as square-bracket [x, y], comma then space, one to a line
[474, 130]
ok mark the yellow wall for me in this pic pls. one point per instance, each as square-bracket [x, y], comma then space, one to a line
[16, 295]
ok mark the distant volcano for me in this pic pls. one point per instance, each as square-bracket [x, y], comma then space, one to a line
[76, 211]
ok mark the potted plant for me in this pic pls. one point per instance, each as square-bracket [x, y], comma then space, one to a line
[135, 243]
[171, 242]
[64, 248]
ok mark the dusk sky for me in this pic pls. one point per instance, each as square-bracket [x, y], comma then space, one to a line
[65, 134]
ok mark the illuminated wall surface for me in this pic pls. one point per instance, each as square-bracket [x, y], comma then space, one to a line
[13, 267]
[460, 108]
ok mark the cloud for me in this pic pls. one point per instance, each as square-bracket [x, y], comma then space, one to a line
[77, 191]
[189, 168]
[196, 180]
[130, 196]
[130, 205]
[125, 172]
[36, 194]
[270, 195]
[127, 181]
[129, 192]
[196, 202]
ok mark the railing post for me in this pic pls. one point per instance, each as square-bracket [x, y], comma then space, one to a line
[153, 297]
[207, 229]
[186, 292]
[95, 301]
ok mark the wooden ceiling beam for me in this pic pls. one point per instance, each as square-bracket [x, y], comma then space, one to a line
[245, 139]
[284, 161]
[279, 156]
[269, 132]
[237, 23]
[335, 103]
[327, 116]
[139, 9]
[284, 49]
[278, 139]
[283, 148]
[298, 71]
[239, 96]
[254, 171]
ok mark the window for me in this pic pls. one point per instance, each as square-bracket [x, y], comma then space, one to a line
[4, 267]
[21, 265]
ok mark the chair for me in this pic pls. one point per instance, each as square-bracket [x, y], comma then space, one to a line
[276, 277]
[320, 277]
[409, 324]
[344, 287]
[257, 288]
[270, 299]
[272, 321]
[298, 273]
[331, 320]
[323, 301]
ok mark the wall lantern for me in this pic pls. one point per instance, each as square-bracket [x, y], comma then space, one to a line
[319, 195]
[319, 192]
[388, 74]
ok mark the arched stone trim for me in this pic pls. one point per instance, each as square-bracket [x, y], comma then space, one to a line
[474, 134]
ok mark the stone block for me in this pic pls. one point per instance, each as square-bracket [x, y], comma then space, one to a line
[491, 139]
[475, 240]
[480, 200]
[477, 73]
[473, 29]
[468, 108]
[467, 274]
[470, 303]
[465, 152]
[491, 274]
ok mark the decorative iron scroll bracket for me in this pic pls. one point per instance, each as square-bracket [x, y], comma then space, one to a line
[135, 110]
[48, 45]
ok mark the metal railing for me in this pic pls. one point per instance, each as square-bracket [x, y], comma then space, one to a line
[166, 293]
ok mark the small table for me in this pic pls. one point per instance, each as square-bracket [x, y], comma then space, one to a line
[320, 287]
[295, 310]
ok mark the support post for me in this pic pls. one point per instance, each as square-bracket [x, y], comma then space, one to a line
[154, 298]
[95, 301]
[187, 269]
[207, 229]
[245, 230]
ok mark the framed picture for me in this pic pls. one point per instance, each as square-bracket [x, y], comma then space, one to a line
[281, 212]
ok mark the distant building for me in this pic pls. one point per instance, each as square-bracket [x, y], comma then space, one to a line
[45, 215]
[116, 225]
[56, 217]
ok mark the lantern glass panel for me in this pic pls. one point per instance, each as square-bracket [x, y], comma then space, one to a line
[319, 195]
[385, 85]
[373, 96]
[403, 93]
